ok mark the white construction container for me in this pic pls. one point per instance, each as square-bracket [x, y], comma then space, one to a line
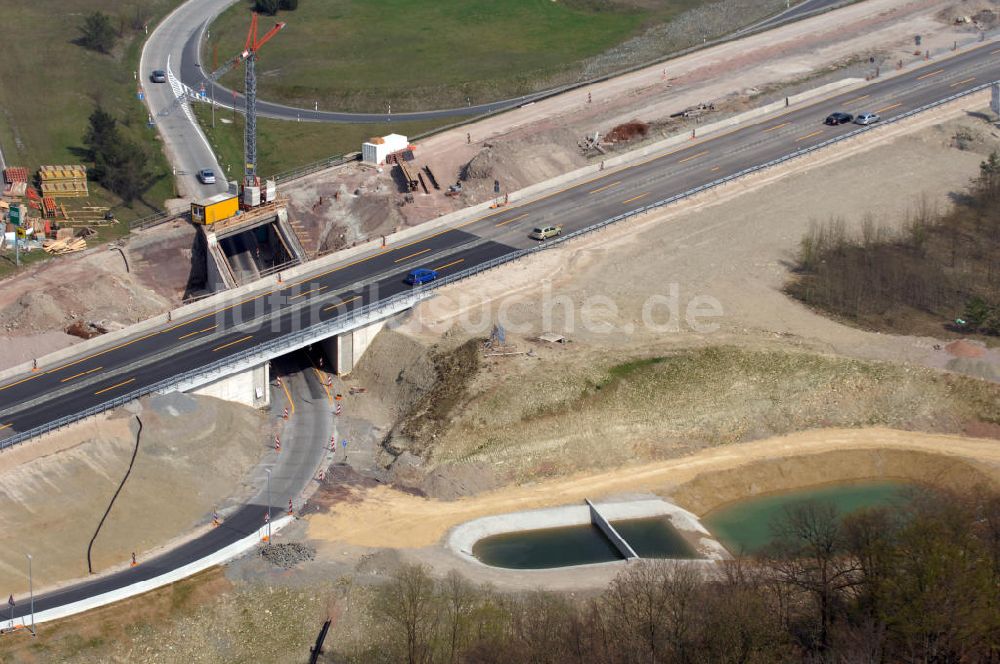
[377, 149]
[251, 196]
[270, 191]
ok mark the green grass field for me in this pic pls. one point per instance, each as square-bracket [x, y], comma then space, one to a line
[283, 146]
[363, 55]
[49, 86]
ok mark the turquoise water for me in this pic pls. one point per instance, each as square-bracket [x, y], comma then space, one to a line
[745, 526]
[581, 545]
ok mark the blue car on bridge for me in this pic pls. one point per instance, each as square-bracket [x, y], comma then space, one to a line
[421, 276]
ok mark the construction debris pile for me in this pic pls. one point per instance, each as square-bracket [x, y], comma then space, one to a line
[627, 132]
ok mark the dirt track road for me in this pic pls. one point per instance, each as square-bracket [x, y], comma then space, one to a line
[388, 518]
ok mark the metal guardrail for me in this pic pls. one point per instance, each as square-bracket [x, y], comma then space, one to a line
[152, 220]
[273, 347]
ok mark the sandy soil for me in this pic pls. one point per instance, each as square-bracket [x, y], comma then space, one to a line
[39, 303]
[193, 457]
[729, 248]
[385, 517]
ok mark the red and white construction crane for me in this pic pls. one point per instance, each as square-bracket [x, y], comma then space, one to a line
[248, 58]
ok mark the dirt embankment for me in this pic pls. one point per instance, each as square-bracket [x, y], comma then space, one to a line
[100, 289]
[390, 518]
[194, 454]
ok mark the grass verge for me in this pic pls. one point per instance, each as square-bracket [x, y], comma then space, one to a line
[283, 146]
[359, 55]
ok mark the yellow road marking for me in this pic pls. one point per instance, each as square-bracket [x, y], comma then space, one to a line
[124, 382]
[815, 133]
[968, 80]
[4, 426]
[288, 395]
[607, 186]
[851, 101]
[460, 260]
[191, 334]
[777, 126]
[714, 169]
[888, 108]
[232, 343]
[82, 373]
[23, 380]
[929, 74]
[504, 223]
[635, 198]
[400, 260]
[694, 156]
[334, 306]
[304, 293]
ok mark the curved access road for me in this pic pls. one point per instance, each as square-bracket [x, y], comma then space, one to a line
[304, 439]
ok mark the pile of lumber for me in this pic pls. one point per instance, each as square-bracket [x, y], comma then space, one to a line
[67, 246]
[70, 180]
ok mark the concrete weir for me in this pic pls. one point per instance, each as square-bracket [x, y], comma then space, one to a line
[609, 531]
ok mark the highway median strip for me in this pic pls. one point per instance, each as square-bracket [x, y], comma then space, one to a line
[777, 126]
[968, 80]
[340, 304]
[807, 136]
[607, 186]
[504, 223]
[312, 290]
[635, 198]
[888, 108]
[191, 334]
[400, 260]
[447, 265]
[929, 74]
[82, 373]
[232, 343]
[116, 385]
[694, 156]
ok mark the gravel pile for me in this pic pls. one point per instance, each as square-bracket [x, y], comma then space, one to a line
[287, 555]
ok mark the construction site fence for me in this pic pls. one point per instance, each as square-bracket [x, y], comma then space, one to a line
[372, 311]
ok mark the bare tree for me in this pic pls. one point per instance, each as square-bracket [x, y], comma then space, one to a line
[408, 603]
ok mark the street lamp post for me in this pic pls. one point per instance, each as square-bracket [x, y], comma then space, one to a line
[268, 507]
[31, 594]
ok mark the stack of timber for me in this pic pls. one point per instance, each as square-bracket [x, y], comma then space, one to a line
[63, 181]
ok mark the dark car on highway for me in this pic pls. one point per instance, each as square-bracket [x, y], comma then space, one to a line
[838, 118]
[421, 276]
[158, 76]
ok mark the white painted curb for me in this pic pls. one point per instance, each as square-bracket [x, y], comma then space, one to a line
[222, 555]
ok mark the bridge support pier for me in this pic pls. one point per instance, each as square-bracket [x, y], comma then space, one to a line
[248, 387]
[344, 351]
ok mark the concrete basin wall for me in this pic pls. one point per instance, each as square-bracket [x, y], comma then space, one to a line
[462, 538]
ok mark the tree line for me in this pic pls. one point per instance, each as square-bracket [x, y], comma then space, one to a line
[939, 270]
[120, 164]
[917, 583]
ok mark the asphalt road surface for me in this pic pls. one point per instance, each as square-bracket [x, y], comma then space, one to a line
[305, 442]
[184, 345]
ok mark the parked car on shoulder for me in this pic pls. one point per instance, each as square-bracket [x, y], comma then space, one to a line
[545, 232]
[838, 118]
[866, 118]
[421, 276]
[158, 76]
[206, 176]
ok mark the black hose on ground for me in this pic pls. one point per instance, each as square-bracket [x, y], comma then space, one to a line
[138, 435]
